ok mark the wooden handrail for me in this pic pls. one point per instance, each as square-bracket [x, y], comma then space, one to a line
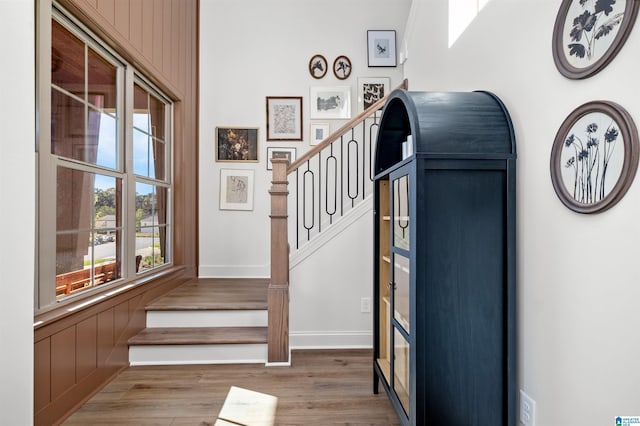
[348, 125]
[278, 291]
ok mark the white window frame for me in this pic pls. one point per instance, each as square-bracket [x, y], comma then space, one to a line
[47, 163]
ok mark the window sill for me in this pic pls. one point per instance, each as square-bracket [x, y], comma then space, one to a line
[62, 309]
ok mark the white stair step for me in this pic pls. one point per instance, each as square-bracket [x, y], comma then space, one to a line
[249, 353]
[207, 318]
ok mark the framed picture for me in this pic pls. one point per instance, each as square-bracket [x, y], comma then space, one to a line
[371, 90]
[330, 102]
[594, 157]
[288, 153]
[587, 35]
[342, 67]
[284, 118]
[319, 132]
[317, 66]
[236, 189]
[237, 144]
[381, 50]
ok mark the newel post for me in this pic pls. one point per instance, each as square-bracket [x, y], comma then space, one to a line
[278, 293]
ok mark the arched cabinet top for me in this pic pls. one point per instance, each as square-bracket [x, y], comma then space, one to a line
[443, 125]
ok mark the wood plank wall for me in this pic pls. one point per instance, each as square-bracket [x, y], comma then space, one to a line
[76, 354]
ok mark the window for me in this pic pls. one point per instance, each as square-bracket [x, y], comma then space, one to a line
[104, 185]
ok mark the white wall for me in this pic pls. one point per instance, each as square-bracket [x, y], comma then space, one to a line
[578, 284]
[17, 209]
[251, 49]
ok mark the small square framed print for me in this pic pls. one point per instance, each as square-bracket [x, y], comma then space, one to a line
[381, 48]
[319, 132]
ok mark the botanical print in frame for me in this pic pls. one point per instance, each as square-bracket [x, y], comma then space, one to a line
[288, 153]
[330, 102]
[371, 90]
[236, 189]
[284, 118]
[594, 157]
[588, 34]
[319, 132]
[381, 48]
[237, 144]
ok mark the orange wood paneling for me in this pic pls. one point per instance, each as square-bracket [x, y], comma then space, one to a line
[121, 319]
[105, 335]
[63, 361]
[136, 24]
[107, 8]
[86, 357]
[42, 370]
[147, 28]
[158, 25]
[121, 21]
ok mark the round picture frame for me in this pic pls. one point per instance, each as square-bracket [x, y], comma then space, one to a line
[318, 66]
[342, 67]
[587, 35]
[594, 157]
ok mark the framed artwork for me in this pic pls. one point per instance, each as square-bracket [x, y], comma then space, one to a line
[342, 67]
[594, 157]
[330, 102]
[371, 90]
[284, 118]
[317, 66]
[236, 189]
[319, 132]
[381, 50]
[288, 153]
[588, 34]
[237, 144]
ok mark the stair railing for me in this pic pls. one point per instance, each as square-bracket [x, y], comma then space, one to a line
[330, 179]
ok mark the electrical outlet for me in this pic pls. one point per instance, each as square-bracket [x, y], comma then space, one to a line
[527, 409]
[365, 304]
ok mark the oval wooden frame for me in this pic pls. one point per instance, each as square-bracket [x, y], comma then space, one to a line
[311, 66]
[629, 134]
[559, 57]
[335, 72]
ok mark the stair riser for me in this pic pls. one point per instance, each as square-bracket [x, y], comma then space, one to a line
[226, 318]
[198, 354]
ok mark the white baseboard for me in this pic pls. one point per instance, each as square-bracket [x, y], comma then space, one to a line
[331, 339]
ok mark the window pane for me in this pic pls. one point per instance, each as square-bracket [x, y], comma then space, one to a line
[157, 117]
[102, 138]
[141, 109]
[67, 60]
[141, 153]
[157, 167]
[67, 126]
[88, 227]
[151, 230]
[102, 82]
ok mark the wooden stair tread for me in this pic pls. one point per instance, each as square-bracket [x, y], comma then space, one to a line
[215, 294]
[200, 336]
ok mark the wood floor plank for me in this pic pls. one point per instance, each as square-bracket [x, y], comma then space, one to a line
[322, 387]
[215, 293]
[199, 335]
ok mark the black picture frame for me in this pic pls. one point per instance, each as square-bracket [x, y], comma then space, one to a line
[594, 157]
[582, 25]
[381, 48]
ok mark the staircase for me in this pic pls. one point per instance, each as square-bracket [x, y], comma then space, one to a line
[205, 321]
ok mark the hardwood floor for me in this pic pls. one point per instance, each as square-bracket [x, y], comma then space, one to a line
[322, 387]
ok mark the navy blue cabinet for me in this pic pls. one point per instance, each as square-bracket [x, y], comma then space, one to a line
[444, 255]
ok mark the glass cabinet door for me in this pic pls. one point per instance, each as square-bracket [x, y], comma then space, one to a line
[400, 288]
